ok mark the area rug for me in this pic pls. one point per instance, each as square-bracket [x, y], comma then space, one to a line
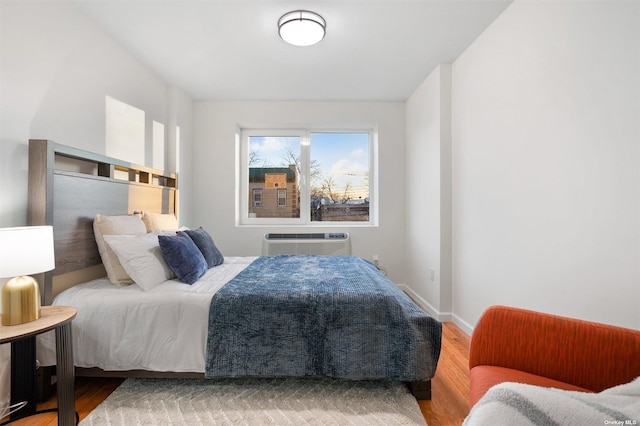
[257, 402]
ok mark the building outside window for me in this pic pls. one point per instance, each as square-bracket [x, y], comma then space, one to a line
[302, 177]
[269, 187]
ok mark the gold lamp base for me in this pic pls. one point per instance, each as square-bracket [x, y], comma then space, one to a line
[20, 301]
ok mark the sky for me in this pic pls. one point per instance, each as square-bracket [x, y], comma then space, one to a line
[342, 156]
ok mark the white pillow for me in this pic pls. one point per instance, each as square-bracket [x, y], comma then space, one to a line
[142, 258]
[115, 225]
[160, 221]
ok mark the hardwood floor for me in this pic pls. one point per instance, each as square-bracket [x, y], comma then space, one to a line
[449, 404]
[450, 386]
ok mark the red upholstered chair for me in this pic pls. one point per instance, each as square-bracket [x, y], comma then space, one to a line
[518, 345]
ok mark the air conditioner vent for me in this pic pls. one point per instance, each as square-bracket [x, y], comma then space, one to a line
[332, 244]
[314, 236]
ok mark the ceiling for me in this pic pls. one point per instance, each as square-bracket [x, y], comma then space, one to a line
[229, 50]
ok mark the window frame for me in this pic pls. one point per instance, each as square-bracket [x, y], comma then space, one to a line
[242, 176]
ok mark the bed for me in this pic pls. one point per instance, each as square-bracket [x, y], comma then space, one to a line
[272, 316]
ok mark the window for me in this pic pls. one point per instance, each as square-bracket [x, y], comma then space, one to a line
[301, 177]
[282, 198]
[339, 177]
[257, 197]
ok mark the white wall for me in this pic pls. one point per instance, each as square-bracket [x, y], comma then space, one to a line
[546, 150]
[57, 67]
[214, 169]
[428, 168]
[180, 149]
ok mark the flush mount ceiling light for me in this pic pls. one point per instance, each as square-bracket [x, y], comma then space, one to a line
[302, 27]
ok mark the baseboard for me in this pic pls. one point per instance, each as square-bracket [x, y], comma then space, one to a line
[431, 310]
[426, 306]
[464, 326]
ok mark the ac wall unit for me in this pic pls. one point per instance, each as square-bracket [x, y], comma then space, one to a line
[328, 244]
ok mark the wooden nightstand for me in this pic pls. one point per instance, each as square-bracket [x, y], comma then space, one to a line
[23, 362]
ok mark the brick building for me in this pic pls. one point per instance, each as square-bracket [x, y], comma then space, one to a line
[273, 192]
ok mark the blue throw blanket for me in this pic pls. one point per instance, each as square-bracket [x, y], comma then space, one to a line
[308, 316]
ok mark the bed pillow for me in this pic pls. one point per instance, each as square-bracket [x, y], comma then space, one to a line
[142, 258]
[160, 222]
[207, 247]
[115, 225]
[183, 257]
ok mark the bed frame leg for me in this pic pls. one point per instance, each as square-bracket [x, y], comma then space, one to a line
[45, 386]
[420, 389]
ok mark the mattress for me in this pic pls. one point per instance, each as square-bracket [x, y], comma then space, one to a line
[127, 328]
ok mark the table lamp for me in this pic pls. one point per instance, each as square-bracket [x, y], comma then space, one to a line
[24, 251]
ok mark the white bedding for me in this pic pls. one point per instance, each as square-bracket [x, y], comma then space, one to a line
[127, 328]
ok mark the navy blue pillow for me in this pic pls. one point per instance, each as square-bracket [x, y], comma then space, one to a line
[205, 243]
[183, 257]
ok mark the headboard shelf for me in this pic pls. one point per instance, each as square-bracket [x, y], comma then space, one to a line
[69, 186]
[100, 165]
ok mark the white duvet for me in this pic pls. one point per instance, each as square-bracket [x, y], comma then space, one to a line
[127, 328]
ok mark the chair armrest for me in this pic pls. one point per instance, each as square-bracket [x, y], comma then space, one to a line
[586, 354]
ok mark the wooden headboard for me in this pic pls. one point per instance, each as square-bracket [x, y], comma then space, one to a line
[69, 186]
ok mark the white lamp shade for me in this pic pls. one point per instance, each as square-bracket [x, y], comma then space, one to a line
[302, 27]
[26, 251]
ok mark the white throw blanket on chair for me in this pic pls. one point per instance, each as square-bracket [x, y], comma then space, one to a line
[521, 404]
